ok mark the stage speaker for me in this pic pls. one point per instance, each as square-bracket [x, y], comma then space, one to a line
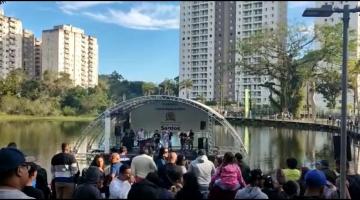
[201, 143]
[126, 125]
[337, 142]
[117, 130]
[202, 125]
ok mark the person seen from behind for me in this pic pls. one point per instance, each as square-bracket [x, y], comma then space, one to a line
[203, 170]
[191, 188]
[228, 176]
[315, 181]
[291, 173]
[245, 169]
[253, 190]
[142, 165]
[90, 189]
[181, 162]
[64, 170]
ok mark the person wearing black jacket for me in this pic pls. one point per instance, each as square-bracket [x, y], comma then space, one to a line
[146, 189]
[30, 189]
[90, 189]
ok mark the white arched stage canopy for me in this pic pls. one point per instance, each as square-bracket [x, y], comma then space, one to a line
[157, 112]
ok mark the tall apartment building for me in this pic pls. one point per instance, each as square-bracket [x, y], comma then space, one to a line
[38, 67]
[11, 34]
[197, 45]
[209, 32]
[31, 52]
[28, 52]
[251, 17]
[354, 24]
[67, 49]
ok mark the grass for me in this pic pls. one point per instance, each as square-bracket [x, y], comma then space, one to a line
[7, 117]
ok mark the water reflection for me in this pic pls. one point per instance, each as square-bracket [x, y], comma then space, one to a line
[41, 139]
[268, 147]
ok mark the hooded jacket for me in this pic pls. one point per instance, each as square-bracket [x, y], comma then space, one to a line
[203, 170]
[144, 190]
[251, 193]
[89, 189]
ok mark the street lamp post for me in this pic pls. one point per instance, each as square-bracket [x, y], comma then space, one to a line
[327, 11]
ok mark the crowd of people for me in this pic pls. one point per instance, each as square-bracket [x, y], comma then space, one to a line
[166, 175]
[159, 139]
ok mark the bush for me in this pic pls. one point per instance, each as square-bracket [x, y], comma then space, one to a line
[11, 104]
[69, 111]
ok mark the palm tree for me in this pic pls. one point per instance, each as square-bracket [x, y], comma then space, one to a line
[186, 84]
[354, 72]
[166, 85]
[148, 88]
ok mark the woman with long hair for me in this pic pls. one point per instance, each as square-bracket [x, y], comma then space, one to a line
[99, 162]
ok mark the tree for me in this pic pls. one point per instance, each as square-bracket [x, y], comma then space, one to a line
[148, 88]
[11, 85]
[328, 84]
[186, 84]
[32, 89]
[287, 58]
[328, 54]
[167, 86]
[354, 72]
[274, 54]
[176, 86]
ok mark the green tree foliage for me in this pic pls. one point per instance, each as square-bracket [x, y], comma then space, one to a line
[354, 72]
[328, 85]
[275, 53]
[56, 95]
[186, 84]
[287, 57]
[167, 87]
[148, 88]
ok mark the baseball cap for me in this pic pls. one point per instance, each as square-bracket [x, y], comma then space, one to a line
[315, 178]
[10, 158]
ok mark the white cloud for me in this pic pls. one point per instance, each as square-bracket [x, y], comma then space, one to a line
[143, 17]
[69, 7]
[301, 4]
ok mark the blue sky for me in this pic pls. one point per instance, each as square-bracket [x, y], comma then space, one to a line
[140, 40]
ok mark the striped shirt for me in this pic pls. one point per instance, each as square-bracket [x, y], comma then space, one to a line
[64, 167]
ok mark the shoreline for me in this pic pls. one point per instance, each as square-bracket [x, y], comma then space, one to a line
[6, 117]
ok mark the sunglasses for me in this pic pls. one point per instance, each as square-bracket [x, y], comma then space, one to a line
[26, 165]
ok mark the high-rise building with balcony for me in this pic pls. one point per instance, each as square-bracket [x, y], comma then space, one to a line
[209, 32]
[252, 17]
[11, 34]
[67, 49]
[38, 67]
[28, 53]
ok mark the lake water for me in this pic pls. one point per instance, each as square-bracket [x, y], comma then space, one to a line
[268, 147]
